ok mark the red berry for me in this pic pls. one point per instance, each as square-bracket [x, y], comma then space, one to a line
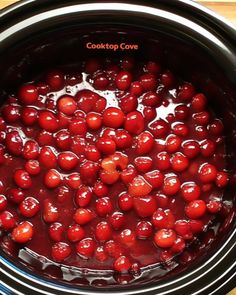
[144, 230]
[29, 207]
[52, 178]
[67, 105]
[179, 162]
[145, 206]
[23, 232]
[127, 237]
[22, 179]
[55, 80]
[143, 164]
[92, 153]
[106, 145]
[31, 150]
[73, 180]
[216, 127]
[145, 143]
[48, 121]
[195, 209]
[94, 121]
[113, 117]
[171, 185]
[163, 161]
[139, 187]
[56, 231]
[75, 233]
[163, 219]
[86, 247]
[103, 231]
[7, 220]
[136, 88]
[47, 157]
[89, 172]
[151, 99]
[45, 138]
[213, 206]
[117, 220]
[3, 202]
[190, 191]
[181, 112]
[15, 195]
[207, 173]
[128, 103]
[201, 118]
[196, 226]
[155, 178]
[83, 196]
[123, 139]
[128, 174]
[165, 238]
[159, 128]
[149, 113]
[122, 264]
[100, 189]
[178, 246]
[134, 123]
[186, 92]
[83, 216]
[199, 102]
[63, 140]
[222, 179]
[183, 229]
[100, 254]
[191, 148]
[167, 79]
[60, 251]
[207, 148]
[123, 80]
[14, 143]
[148, 82]
[50, 211]
[78, 126]
[125, 202]
[100, 81]
[104, 206]
[67, 161]
[180, 129]
[28, 94]
[32, 167]
[11, 113]
[173, 143]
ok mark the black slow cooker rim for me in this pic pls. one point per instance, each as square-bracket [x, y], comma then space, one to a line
[227, 250]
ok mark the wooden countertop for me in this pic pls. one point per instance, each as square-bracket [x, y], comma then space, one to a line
[226, 8]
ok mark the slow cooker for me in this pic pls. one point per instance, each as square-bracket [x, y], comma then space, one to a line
[193, 42]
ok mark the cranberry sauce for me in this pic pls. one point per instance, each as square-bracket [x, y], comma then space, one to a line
[112, 166]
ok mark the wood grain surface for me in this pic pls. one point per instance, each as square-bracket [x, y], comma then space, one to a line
[225, 8]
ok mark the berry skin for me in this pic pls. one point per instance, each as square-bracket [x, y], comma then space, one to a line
[125, 202]
[7, 220]
[145, 206]
[165, 238]
[23, 232]
[163, 161]
[60, 251]
[144, 230]
[104, 206]
[56, 231]
[117, 220]
[145, 143]
[207, 173]
[190, 191]
[28, 94]
[113, 117]
[83, 196]
[93, 121]
[67, 160]
[179, 162]
[67, 105]
[75, 233]
[171, 185]
[83, 216]
[50, 212]
[48, 121]
[3, 202]
[103, 231]
[52, 179]
[191, 148]
[122, 264]
[173, 143]
[106, 145]
[22, 179]
[123, 80]
[29, 207]
[195, 209]
[155, 178]
[139, 187]
[222, 179]
[134, 123]
[163, 219]
[86, 248]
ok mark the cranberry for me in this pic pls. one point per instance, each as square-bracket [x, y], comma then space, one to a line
[86, 100]
[145, 206]
[127, 237]
[134, 123]
[196, 226]
[23, 232]
[112, 249]
[113, 117]
[222, 179]
[162, 200]
[149, 113]
[67, 105]
[139, 187]
[171, 185]
[207, 148]
[144, 230]
[167, 79]
[50, 212]
[78, 145]
[103, 231]
[67, 161]
[100, 189]
[163, 219]
[15, 195]
[55, 80]
[198, 103]
[83, 196]
[106, 145]
[100, 81]
[145, 143]
[14, 143]
[173, 143]
[75, 233]
[94, 121]
[123, 80]
[104, 206]
[29, 207]
[45, 138]
[31, 150]
[92, 153]
[148, 82]
[191, 148]
[136, 88]
[7, 220]
[159, 128]
[60, 251]
[207, 173]
[213, 206]
[117, 220]
[128, 103]
[125, 202]
[83, 216]
[109, 177]
[11, 113]
[178, 246]
[128, 63]
[181, 112]
[201, 132]
[216, 127]
[86, 247]
[123, 139]
[22, 179]
[179, 162]
[195, 209]
[151, 99]
[3, 202]
[165, 238]
[183, 228]
[73, 180]
[100, 254]
[155, 178]
[190, 191]
[48, 121]
[56, 231]
[122, 264]
[63, 194]
[78, 126]
[163, 161]
[47, 158]
[186, 92]
[32, 167]
[88, 172]
[201, 118]
[143, 164]
[28, 94]
[128, 174]
[180, 129]
[52, 178]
